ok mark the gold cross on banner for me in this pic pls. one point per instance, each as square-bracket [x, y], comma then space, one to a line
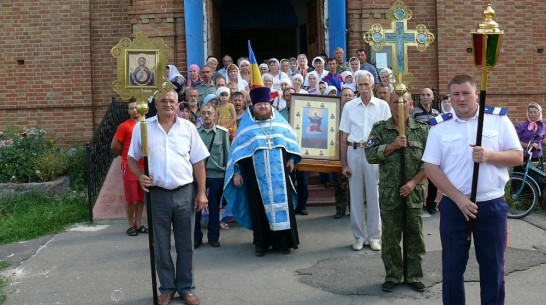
[399, 38]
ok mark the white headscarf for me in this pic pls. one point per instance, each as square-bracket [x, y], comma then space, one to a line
[350, 64]
[174, 73]
[329, 89]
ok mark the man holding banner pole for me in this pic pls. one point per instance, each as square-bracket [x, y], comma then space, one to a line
[176, 157]
[449, 159]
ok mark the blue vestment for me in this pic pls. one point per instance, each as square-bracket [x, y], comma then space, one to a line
[251, 141]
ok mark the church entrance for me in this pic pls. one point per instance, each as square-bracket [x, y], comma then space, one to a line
[280, 29]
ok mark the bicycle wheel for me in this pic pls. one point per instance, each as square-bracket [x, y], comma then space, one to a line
[520, 203]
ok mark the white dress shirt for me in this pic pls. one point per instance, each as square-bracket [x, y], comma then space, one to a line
[357, 119]
[448, 146]
[170, 155]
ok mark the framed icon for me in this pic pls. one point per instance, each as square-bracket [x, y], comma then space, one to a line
[315, 118]
[142, 68]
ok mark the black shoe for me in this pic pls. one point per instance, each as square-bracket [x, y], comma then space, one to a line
[388, 286]
[431, 208]
[417, 286]
[197, 244]
[214, 243]
[302, 212]
[339, 215]
[284, 251]
[259, 251]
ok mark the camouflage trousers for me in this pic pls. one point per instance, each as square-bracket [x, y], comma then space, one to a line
[391, 251]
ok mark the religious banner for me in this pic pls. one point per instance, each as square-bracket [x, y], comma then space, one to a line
[315, 118]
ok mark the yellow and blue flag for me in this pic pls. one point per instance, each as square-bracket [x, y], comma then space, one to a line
[255, 75]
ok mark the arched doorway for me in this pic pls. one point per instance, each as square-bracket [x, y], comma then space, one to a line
[280, 29]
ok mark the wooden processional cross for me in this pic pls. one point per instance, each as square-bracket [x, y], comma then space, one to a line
[400, 38]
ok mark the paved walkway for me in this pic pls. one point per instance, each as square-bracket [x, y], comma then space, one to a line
[100, 264]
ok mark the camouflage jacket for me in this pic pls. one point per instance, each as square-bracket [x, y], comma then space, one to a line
[385, 132]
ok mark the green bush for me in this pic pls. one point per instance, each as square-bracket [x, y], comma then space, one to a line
[77, 168]
[29, 157]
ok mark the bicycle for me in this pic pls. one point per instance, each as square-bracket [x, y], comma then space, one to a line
[525, 187]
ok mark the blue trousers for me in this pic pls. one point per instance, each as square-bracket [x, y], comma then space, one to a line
[215, 188]
[490, 236]
[176, 209]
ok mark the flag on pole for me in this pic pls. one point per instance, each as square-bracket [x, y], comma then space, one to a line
[255, 75]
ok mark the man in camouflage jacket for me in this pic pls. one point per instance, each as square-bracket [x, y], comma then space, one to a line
[383, 148]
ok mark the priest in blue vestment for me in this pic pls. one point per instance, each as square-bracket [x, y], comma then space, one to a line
[257, 183]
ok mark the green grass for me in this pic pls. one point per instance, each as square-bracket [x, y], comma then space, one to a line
[33, 215]
[3, 282]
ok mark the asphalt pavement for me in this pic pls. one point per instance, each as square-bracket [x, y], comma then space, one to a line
[100, 264]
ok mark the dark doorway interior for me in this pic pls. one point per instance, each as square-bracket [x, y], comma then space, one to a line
[275, 29]
[266, 43]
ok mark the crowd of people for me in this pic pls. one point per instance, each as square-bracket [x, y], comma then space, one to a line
[222, 136]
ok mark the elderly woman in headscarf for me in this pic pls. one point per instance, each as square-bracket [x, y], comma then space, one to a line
[175, 78]
[385, 76]
[532, 130]
[235, 77]
[244, 70]
[277, 74]
[194, 78]
[318, 64]
[313, 79]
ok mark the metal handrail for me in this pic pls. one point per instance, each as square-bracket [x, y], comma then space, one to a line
[99, 154]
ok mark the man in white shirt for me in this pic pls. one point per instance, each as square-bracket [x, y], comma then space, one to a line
[357, 119]
[176, 157]
[449, 158]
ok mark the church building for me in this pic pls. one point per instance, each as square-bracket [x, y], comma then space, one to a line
[58, 69]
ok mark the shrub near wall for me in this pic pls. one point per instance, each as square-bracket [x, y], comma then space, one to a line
[27, 156]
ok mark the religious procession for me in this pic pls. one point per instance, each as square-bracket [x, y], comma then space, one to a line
[215, 145]
[231, 133]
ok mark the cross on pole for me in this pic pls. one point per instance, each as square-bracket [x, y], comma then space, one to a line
[400, 38]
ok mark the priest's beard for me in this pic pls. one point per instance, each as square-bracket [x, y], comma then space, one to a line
[263, 117]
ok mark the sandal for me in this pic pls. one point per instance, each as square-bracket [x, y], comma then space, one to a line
[142, 229]
[132, 232]
[224, 226]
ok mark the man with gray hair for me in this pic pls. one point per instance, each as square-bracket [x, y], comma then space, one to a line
[216, 139]
[357, 119]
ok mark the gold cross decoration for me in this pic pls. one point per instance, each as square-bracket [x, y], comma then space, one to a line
[399, 38]
[269, 143]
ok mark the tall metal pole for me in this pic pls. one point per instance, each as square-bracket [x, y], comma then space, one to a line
[486, 41]
[142, 108]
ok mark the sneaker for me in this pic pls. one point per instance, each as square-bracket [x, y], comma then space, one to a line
[425, 214]
[388, 286]
[417, 286]
[358, 245]
[376, 246]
